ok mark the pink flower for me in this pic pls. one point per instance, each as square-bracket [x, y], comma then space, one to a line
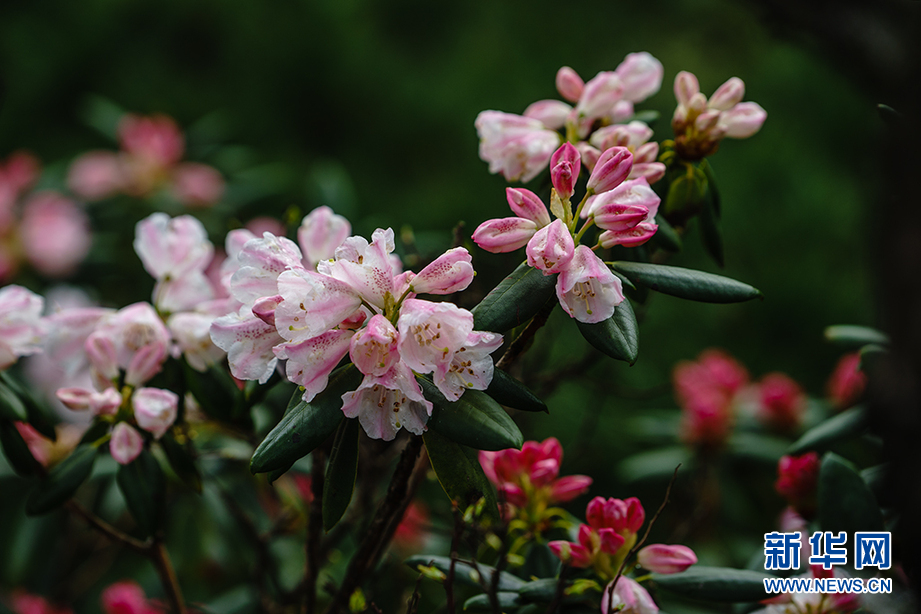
[847, 383]
[624, 516]
[431, 333]
[365, 267]
[126, 597]
[599, 96]
[156, 138]
[516, 146]
[320, 233]
[564, 169]
[551, 113]
[782, 401]
[96, 175]
[24, 603]
[634, 136]
[631, 237]
[126, 443]
[385, 404]
[797, 481]
[661, 558]
[374, 348]
[569, 84]
[632, 193]
[197, 185]
[191, 333]
[628, 597]
[451, 272]
[55, 233]
[259, 263]
[587, 289]
[504, 235]
[249, 343]
[412, 532]
[641, 75]
[22, 327]
[526, 204]
[313, 303]
[611, 169]
[140, 339]
[310, 362]
[155, 409]
[471, 368]
[551, 249]
[106, 402]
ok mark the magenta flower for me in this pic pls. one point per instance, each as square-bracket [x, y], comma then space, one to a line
[634, 136]
[565, 164]
[126, 597]
[525, 204]
[847, 383]
[781, 401]
[797, 481]
[611, 169]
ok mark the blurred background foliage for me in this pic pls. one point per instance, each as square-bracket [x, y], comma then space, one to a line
[369, 106]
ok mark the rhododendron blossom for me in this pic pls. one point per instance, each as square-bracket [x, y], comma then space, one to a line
[797, 481]
[21, 325]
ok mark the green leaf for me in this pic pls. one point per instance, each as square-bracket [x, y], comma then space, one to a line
[847, 424]
[17, 450]
[540, 562]
[62, 482]
[710, 233]
[508, 391]
[307, 425]
[459, 472]
[845, 502]
[542, 591]
[720, 584]
[214, 390]
[474, 420]
[274, 474]
[481, 603]
[341, 472]
[618, 336]
[181, 462]
[666, 236]
[854, 336]
[891, 117]
[647, 116]
[687, 283]
[37, 416]
[875, 478]
[712, 190]
[658, 463]
[686, 194]
[464, 573]
[141, 482]
[11, 407]
[757, 446]
[515, 300]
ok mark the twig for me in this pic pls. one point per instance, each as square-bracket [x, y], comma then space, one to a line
[518, 346]
[382, 526]
[639, 544]
[449, 581]
[151, 549]
[560, 587]
[314, 525]
[413, 604]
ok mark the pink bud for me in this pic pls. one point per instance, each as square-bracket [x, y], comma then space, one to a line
[55, 233]
[743, 120]
[551, 248]
[102, 354]
[797, 481]
[100, 403]
[374, 348]
[847, 383]
[125, 597]
[610, 540]
[646, 153]
[155, 409]
[544, 471]
[619, 217]
[156, 138]
[686, 86]
[96, 175]
[145, 363]
[264, 308]
[641, 74]
[514, 494]
[728, 95]
[126, 443]
[564, 169]
[634, 237]
[782, 401]
[450, 272]
[661, 558]
[504, 235]
[525, 204]
[612, 168]
[588, 154]
[551, 113]
[197, 185]
[628, 598]
[707, 120]
[569, 487]
[600, 95]
[569, 84]
[570, 553]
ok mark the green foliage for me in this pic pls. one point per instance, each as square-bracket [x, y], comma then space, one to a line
[847, 424]
[340, 473]
[718, 584]
[687, 283]
[618, 336]
[465, 574]
[141, 482]
[510, 392]
[63, 481]
[515, 300]
[458, 469]
[845, 502]
[474, 420]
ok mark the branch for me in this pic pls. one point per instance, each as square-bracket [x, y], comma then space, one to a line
[382, 526]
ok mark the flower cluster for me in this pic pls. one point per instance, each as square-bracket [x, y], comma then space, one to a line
[711, 389]
[528, 480]
[700, 124]
[520, 146]
[797, 482]
[22, 329]
[623, 209]
[356, 301]
[43, 228]
[847, 383]
[125, 597]
[150, 159]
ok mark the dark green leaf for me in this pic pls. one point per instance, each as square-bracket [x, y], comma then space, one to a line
[62, 482]
[37, 416]
[542, 591]
[214, 390]
[481, 603]
[464, 573]
[845, 501]
[508, 391]
[893, 118]
[274, 474]
[715, 584]
[181, 462]
[710, 232]
[757, 446]
[459, 472]
[658, 463]
[686, 194]
[341, 472]
[618, 336]
[307, 425]
[855, 336]
[845, 425]
[515, 300]
[666, 236]
[11, 406]
[98, 429]
[540, 562]
[712, 190]
[875, 479]
[141, 482]
[687, 283]
[474, 420]
[16, 450]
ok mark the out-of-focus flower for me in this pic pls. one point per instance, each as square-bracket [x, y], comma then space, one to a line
[412, 532]
[628, 598]
[662, 558]
[126, 443]
[797, 481]
[22, 328]
[847, 383]
[25, 603]
[127, 597]
[528, 479]
[516, 146]
[782, 402]
[605, 541]
[706, 390]
[55, 233]
[45, 451]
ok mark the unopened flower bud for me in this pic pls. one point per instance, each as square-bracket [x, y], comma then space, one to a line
[610, 170]
[743, 120]
[707, 120]
[588, 154]
[264, 308]
[686, 86]
[641, 74]
[145, 363]
[126, 443]
[600, 95]
[155, 409]
[619, 217]
[504, 235]
[526, 204]
[450, 272]
[551, 113]
[569, 84]
[662, 558]
[634, 237]
[374, 348]
[564, 169]
[728, 95]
